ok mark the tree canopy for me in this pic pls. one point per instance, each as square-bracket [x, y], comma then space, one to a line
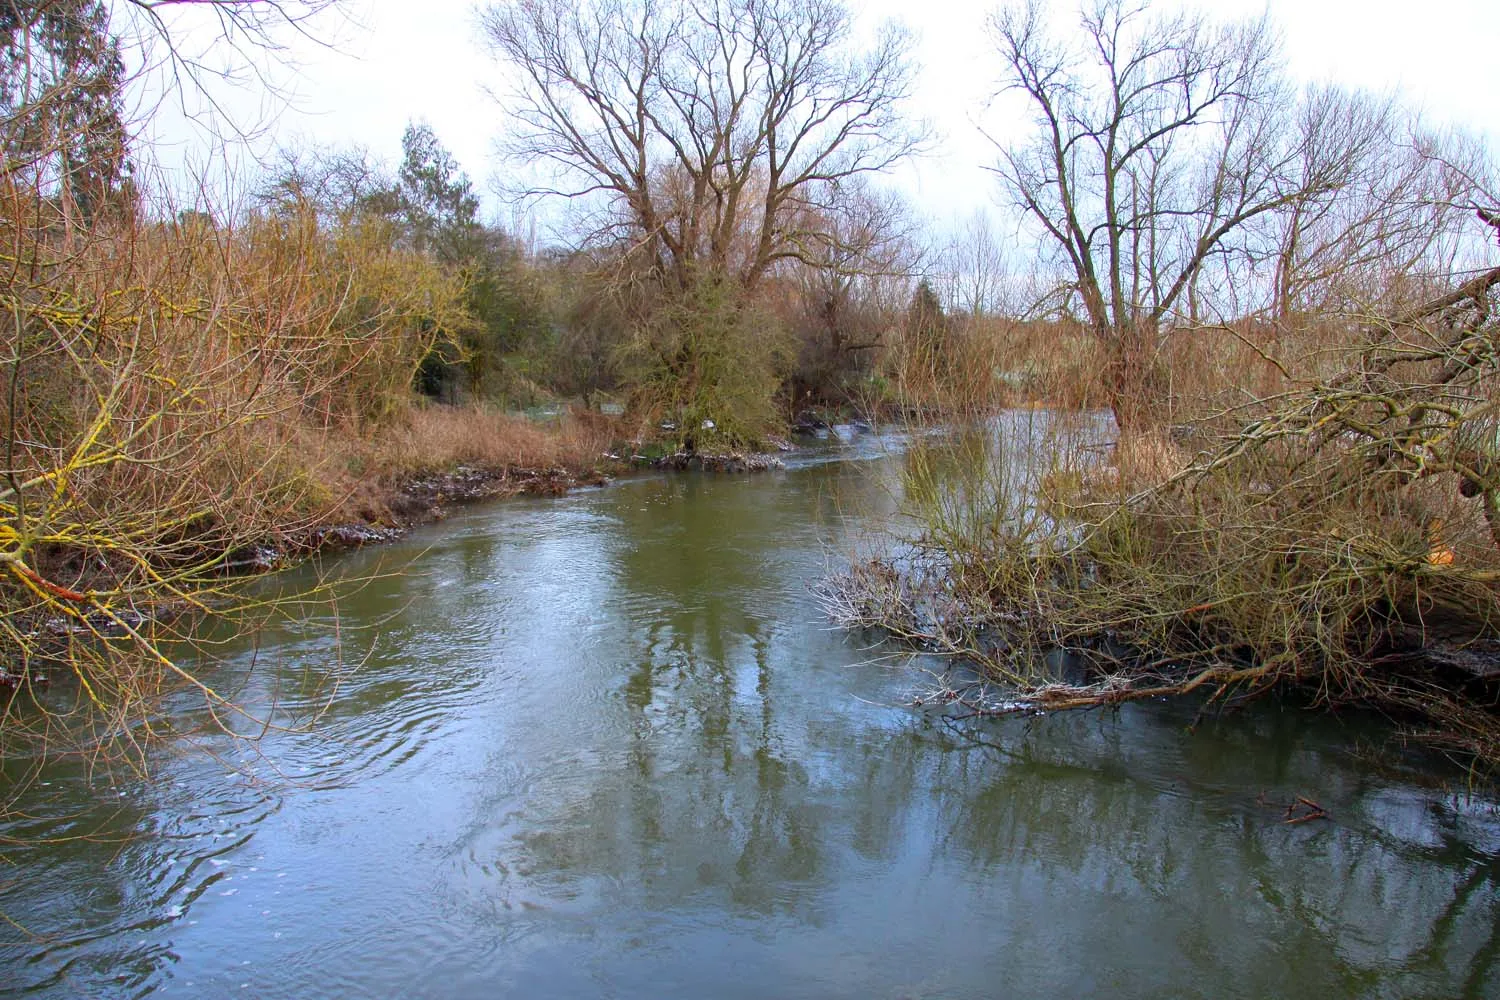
[709, 137]
[61, 76]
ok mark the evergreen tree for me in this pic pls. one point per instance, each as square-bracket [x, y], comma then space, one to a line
[436, 200]
[925, 323]
[61, 110]
[434, 205]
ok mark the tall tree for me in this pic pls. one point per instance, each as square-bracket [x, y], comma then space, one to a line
[707, 129]
[848, 292]
[1156, 142]
[61, 117]
[436, 199]
[434, 205]
[706, 142]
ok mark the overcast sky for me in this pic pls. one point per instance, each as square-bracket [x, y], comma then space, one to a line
[391, 61]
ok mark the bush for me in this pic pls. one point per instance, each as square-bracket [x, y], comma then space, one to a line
[165, 382]
[1341, 538]
[709, 363]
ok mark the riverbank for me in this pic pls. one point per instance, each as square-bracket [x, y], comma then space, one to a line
[443, 457]
[333, 489]
[1077, 568]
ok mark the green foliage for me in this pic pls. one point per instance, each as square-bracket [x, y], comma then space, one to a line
[438, 209]
[709, 362]
[590, 326]
[510, 349]
[436, 212]
[61, 78]
[927, 329]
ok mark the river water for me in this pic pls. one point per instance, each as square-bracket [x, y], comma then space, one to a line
[605, 745]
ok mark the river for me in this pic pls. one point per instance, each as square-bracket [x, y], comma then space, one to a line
[605, 745]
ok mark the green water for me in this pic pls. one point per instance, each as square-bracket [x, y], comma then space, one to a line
[605, 745]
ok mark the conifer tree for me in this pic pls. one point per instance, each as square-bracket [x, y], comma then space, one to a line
[61, 82]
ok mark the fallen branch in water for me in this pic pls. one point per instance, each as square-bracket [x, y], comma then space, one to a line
[1303, 810]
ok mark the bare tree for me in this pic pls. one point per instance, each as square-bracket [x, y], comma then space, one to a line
[195, 50]
[1394, 233]
[1157, 143]
[851, 289]
[976, 274]
[716, 137]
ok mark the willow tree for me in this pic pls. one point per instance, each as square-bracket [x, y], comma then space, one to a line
[705, 142]
[1157, 144]
[706, 129]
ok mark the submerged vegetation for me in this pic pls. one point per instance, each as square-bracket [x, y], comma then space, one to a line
[1279, 295]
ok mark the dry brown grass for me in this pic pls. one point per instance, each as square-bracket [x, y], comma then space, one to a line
[981, 364]
[435, 438]
[346, 473]
[1147, 457]
[1198, 371]
[1212, 370]
[1048, 363]
[1140, 459]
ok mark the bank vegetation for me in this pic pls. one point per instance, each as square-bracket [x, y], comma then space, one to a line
[1287, 303]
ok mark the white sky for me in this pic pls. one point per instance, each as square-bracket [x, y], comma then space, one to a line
[404, 60]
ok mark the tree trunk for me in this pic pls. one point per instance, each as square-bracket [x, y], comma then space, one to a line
[1137, 386]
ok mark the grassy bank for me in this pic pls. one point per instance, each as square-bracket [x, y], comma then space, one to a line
[432, 454]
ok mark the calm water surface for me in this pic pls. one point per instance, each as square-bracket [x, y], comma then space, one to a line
[605, 746]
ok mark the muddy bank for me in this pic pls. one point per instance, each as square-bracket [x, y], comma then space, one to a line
[425, 499]
[732, 462]
[391, 511]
